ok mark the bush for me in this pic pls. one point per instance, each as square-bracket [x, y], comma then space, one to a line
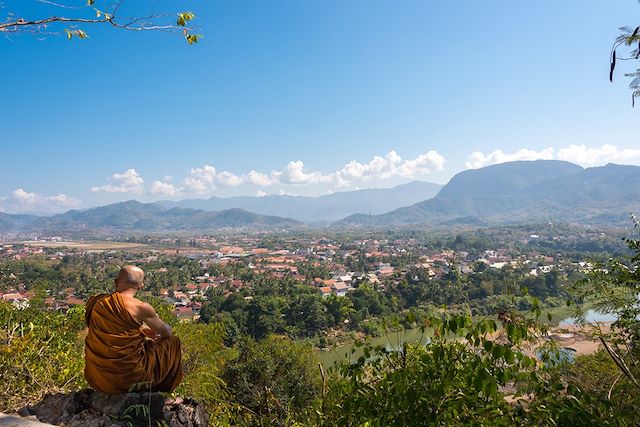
[40, 352]
[273, 382]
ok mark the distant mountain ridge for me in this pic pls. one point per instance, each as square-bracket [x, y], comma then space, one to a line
[524, 191]
[149, 217]
[330, 207]
[507, 193]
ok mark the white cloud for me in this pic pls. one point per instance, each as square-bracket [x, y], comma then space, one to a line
[129, 181]
[260, 193]
[294, 173]
[258, 178]
[392, 165]
[421, 165]
[282, 192]
[586, 156]
[579, 154]
[478, 159]
[228, 179]
[163, 188]
[200, 180]
[20, 201]
[378, 166]
[207, 179]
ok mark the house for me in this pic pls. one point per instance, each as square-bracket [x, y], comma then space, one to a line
[385, 271]
[340, 289]
[72, 300]
[180, 296]
[346, 278]
[372, 278]
[12, 297]
[184, 314]
[325, 291]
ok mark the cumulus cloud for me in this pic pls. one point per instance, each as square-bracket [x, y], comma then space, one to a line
[587, 156]
[381, 167]
[294, 173]
[257, 178]
[205, 179]
[129, 181]
[477, 159]
[421, 165]
[392, 165]
[378, 168]
[200, 179]
[20, 201]
[579, 154]
[163, 188]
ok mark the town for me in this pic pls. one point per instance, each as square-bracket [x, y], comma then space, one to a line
[186, 273]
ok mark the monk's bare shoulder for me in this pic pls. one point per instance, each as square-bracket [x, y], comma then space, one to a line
[145, 310]
[139, 310]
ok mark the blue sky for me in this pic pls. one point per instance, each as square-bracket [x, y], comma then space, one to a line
[304, 97]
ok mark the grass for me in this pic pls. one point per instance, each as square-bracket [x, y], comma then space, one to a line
[88, 245]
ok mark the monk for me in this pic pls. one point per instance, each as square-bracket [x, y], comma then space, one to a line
[128, 347]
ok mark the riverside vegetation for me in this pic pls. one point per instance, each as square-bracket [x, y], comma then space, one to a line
[474, 370]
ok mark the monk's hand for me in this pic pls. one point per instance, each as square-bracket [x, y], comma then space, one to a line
[149, 333]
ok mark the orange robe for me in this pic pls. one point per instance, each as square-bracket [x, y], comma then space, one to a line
[119, 358]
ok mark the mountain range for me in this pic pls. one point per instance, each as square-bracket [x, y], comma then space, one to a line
[523, 191]
[147, 217]
[507, 193]
[326, 208]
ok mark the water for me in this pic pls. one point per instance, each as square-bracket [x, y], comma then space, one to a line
[391, 341]
[564, 354]
[590, 316]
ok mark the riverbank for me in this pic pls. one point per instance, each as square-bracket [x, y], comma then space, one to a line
[581, 339]
[564, 331]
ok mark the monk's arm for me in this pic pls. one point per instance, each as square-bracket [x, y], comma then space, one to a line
[149, 316]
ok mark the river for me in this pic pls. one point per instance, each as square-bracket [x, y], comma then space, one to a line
[394, 340]
[590, 316]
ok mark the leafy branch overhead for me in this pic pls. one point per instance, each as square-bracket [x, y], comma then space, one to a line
[72, 17]
[629, 41]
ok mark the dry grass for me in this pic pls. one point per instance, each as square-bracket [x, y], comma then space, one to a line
[86, 245]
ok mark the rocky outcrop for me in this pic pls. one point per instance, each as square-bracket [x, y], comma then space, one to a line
[89, 408]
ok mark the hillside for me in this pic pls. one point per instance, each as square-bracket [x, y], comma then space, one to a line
[14, 222]
[136, 216]
[329, 207]
[524, 192]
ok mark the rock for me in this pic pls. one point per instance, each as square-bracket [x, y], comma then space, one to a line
[7, 420]
[189, 413]
[89, 408]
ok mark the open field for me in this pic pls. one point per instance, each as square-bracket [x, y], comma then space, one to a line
[86, 245]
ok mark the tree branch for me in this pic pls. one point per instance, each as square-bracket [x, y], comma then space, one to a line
[16, 25]
[147, 23]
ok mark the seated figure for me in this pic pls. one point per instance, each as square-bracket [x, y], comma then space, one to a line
[128, 347]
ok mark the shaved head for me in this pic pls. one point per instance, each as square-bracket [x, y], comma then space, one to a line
[129, 276]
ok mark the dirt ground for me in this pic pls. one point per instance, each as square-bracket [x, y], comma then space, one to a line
[96, 246]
